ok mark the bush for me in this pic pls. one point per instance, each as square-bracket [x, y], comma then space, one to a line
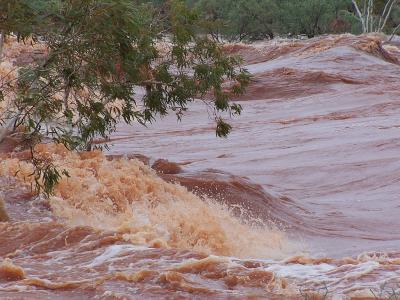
[99, 53]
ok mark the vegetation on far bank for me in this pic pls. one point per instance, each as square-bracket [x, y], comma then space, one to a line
[249, 20]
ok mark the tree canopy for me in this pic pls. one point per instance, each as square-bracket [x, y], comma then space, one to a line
[108, 61]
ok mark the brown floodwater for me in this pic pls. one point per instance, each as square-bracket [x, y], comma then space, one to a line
[299, 201]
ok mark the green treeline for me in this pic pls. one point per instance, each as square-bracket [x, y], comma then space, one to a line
[249, 20]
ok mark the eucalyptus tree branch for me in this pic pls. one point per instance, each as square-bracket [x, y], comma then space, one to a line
[394, 32]
[2, 40]
[360, 15]
[384, 12]
[388, 14]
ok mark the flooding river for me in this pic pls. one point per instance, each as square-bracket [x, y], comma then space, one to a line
[301, 200]
[321, 127]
